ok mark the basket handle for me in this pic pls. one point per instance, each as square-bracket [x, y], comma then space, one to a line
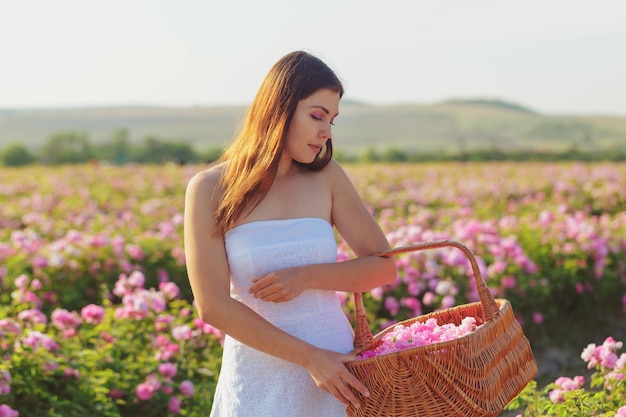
[363, 335]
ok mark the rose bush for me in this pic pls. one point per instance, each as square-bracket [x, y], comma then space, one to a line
[141, 352]
[97, 314]
[604, 396]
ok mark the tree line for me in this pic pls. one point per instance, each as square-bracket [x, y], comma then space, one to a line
[73, 147]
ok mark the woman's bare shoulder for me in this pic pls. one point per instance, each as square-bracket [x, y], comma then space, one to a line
[208, 178]
[206, 184]
[334, 171]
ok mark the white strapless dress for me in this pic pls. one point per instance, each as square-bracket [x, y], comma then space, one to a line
[252, 383]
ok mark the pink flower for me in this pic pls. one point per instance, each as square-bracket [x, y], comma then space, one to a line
[603, 355]
[127, 284]
[565, 384]
[391, 305]
[5, 383]
[64, 320]
[621, 412]
[32, 316]
[71, 372]
[144, 391]
[174, 405]
[36, 339]
[447, 301]
[134, 251]
[588, 355]
[162, 322]
[166, 352]
[186, 388]
[182, 332]
[116, 394]
[136, 279]
[428, 298]
[413, 304]
[21, 281]
[169, 289]
[10, 326]
[168, 369]
[6, 411]
[92, 313]
[51, 366]
[556, 396]
[508, 281]
[418, 334]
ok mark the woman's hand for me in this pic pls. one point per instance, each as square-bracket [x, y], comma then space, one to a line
[278, 286]
[330, 374]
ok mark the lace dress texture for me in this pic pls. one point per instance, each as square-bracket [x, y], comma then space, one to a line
[252, 383]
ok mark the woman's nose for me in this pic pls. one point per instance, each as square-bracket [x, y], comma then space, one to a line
[326, 132]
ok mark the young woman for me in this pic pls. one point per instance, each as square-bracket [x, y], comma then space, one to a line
[261, 252]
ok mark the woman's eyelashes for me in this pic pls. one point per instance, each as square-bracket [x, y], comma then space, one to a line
[319, 118]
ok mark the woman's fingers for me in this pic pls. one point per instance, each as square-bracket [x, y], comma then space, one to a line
[332, 376]
[352, 380]
[273, 288]
[347, 394]
[270, 294]
[259, 283]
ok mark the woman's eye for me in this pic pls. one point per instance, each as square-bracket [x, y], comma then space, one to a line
[318, 118]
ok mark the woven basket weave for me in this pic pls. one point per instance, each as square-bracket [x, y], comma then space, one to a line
[473, 376]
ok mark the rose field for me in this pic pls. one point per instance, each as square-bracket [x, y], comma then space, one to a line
[97, 318]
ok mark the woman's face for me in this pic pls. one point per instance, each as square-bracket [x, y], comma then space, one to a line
[310, 126]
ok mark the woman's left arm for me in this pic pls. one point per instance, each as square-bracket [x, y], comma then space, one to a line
[360, 231]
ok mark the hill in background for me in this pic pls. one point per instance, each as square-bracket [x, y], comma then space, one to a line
[450, 126]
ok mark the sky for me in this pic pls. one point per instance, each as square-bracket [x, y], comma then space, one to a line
[554, 56]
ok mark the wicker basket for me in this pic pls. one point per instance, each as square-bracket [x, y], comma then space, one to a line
[474, 375]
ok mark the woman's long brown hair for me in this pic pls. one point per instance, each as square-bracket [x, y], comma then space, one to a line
[251, 161]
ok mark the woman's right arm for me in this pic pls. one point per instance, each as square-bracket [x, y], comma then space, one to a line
[209, 276]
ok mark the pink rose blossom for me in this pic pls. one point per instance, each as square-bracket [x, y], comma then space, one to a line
[182, 332]
[565, 384]
[174, 405]
[6, 411]
[186, 388]
[169, 289]
[603, 355]
[10, 326]
[116, 394]
[144, 391]
[163, 322]
[168, 369]
[92, 313]
[418, 334]
[5, 383]
[35, 340]
[33, 316]
[63, 319]
[391, 305]
[71, 372]
[21, 281]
